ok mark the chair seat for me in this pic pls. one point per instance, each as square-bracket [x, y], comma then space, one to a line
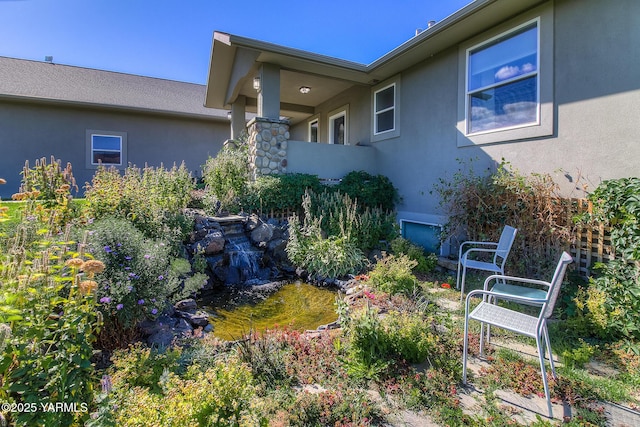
[481, 265]
[504, 318]
[519, 291]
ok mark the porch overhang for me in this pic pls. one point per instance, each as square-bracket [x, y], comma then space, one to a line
[236, 60]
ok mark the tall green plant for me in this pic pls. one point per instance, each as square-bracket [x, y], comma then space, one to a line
[151, 198]
[227, 178]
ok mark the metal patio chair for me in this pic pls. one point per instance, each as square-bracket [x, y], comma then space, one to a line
[488, 313]
[500, 251]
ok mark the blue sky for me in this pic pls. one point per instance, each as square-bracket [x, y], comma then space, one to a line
[172, 38]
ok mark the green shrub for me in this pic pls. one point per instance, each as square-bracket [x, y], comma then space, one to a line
[278, 192]
[222, 395]
[141, 366]
[330, 257]
[227, 178]
[425, 263]
[374, 342]
[333, 408]
[341, 215]
[393, 274]
[370, 191]
[138, 279]
[613, 295]
[151, 198]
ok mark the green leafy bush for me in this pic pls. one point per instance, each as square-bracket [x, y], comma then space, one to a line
[138, 279]
[425, 263]
[341, 215]
[227, 178]
[141, 366]
[222, 395]
[278, 192]
[374, 342]
[373, 191]
[393, 274]
[613, 296]
[328, 257]
[151, 198]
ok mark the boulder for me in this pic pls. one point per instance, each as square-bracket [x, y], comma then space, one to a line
[188, 305]
[262, 234]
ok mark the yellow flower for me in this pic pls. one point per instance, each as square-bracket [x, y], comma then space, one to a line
[17, 196]
[74, 262]
[65, 187]
[87, 286]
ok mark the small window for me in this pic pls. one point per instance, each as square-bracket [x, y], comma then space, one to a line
[385, 109]
[338, 133]
[106, 148]
[313, 130]
[423, 234]
[502, 81]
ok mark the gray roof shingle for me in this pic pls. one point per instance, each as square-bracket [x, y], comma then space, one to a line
[43, 81]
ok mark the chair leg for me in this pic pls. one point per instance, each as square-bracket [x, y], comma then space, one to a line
[458, 274]
[482, 339]
[464, 275]
[548, 345]
[544, 375]
[465, 349]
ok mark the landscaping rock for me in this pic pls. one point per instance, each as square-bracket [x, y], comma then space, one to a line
[261, 235]
[187, 305]
[162, 338]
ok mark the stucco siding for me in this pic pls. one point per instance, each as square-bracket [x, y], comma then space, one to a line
[31, 131]
[596, 110]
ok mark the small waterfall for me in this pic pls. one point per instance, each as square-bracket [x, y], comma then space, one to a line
[243, 261]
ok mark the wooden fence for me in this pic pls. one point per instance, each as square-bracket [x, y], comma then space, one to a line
[592, 242]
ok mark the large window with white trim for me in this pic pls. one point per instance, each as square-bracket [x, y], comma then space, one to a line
[502, 81]
[505, 81]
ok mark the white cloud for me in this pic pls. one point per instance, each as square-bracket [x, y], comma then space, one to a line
[507, 72]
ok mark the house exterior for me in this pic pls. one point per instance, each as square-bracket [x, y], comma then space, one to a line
[83, 116]
[551, 86]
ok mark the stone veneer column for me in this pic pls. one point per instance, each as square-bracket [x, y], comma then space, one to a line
[267, 146]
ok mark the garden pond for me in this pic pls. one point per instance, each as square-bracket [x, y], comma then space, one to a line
[298, 306]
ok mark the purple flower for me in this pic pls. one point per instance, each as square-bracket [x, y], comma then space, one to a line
[129, 288]
[140, 301]
[160, 277]
[118, 244]
[147, 256]
[153, 300]
[154, 311]
[105, 300]
[119, 307]
[107, 249]
[128, 258]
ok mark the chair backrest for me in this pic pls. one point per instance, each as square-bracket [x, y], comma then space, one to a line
[556, 283]
[504, 244]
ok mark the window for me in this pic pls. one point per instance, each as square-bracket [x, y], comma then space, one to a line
[338, 132]
[502, 81]
[313, 130]
[425, 235]
[106, 148]
[505, 82]
[384, 106]
[385, 109]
